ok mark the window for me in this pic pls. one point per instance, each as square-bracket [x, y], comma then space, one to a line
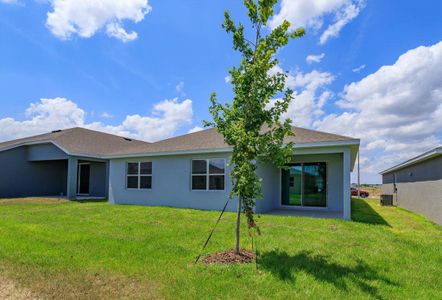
[139, 175]
[305, 185]
[208, 174]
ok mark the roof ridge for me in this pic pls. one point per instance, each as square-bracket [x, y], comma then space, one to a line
[105, 133]
[324, 132]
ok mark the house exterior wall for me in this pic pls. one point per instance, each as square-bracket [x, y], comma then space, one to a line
[21, 178]
[335, 173]
[98, 179]
[45, 170]
[171, 183]
[45, 152]
[419, 188]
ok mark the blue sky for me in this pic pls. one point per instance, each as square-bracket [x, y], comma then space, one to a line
[147, 68]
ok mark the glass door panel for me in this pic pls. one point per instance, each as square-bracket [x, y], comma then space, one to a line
[314, 184]
[304, 185]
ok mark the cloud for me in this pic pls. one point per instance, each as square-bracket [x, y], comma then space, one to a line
[343, 17]
[358, 69]
[397, 110]
[85, 17]
[195, 129]
[60, 113]
[115, 30]
[310, 14]
[107, 115]
[180, 88]
[314, 58]
[227, 79]
[310, 95]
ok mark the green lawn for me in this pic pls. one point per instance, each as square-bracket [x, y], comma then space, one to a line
[97, 250]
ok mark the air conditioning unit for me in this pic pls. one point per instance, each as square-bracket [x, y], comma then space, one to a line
[386, 200]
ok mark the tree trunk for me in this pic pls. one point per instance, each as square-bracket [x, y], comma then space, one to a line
[238, 223]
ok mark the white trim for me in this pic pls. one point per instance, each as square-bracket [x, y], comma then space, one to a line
[417, 159]
[207, 174]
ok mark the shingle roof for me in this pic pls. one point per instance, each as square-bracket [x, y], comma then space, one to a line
[80, 141]
[211, 139]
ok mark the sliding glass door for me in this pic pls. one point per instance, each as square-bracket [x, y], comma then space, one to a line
[305, 184]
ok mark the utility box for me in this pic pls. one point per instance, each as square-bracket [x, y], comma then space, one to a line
[386, 200]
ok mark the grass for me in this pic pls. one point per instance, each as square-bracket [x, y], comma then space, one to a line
[65, 250]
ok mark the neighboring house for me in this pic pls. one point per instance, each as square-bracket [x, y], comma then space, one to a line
[416, 184]
[186, 171]
[67, 163]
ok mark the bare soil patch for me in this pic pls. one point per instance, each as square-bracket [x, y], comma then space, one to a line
[9, 291]
[230, 257]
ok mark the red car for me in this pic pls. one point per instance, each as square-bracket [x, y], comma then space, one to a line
[363, 194]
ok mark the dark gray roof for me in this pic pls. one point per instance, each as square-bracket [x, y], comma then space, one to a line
[211, 139]
[80, 141]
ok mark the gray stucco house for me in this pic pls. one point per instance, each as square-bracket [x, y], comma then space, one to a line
[185, 171]
[416, 184]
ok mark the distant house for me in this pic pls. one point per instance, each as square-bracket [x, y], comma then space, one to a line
[416, 184]
[186, 171]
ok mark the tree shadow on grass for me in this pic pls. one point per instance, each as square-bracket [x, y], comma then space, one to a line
[362, 212]
[285, 266]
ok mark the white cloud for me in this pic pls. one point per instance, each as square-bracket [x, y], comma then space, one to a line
[310, 14]
[107, 115]
[310, 95]
[86, 17]
[314, 58]
[60, 113]
[180, 88]
[397, 111]
[343, 17]
[227, 79]
[115, 30]
[195, 129]
[358, 69]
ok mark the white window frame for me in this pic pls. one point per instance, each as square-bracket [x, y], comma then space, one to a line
[207, 175]
[139, 175]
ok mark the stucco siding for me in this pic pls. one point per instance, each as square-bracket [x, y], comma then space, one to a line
[45, 152]
[171, 184]
[98, 178]
[21, 178]
[424, 197]
[271, 191]
[428, 170]
[419, 188]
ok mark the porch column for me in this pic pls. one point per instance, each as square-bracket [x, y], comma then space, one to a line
[72, 178]
[346, 184]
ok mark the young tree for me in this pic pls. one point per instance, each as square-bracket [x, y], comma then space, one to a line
[252, 123]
